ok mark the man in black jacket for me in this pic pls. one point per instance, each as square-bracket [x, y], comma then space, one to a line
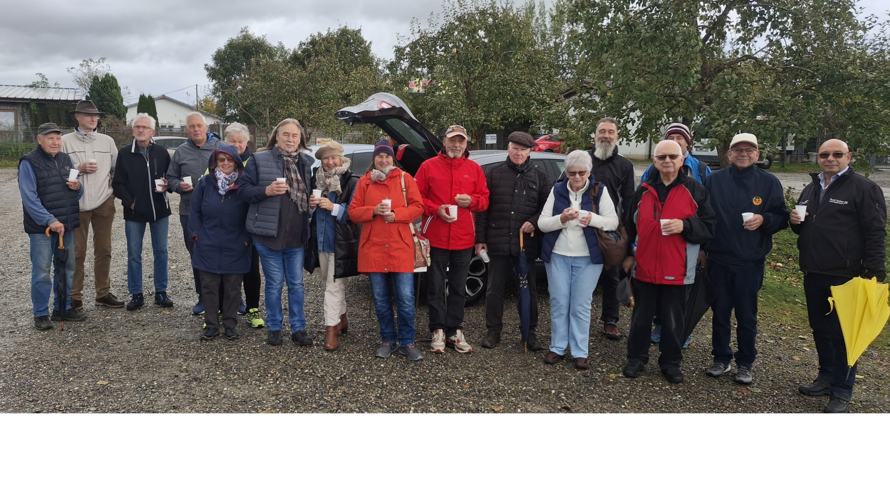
[518, 190]
[140, 185]
[841, 236]
[617, 173]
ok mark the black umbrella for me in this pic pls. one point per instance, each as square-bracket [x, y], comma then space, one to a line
[701, 295]
[524, 303]
[60, 279]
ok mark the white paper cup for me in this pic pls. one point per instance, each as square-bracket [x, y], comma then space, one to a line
[159, 185]
[388, 203]
[316, 193]
[582, 214]
[663, 222]
[452, 211]
[802, 211]
[281, 179]
[72, 174]
[187, 179]
[746, 216]
[483, 254]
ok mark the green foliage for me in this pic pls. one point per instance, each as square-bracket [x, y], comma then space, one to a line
[42, 82]
[88, 68]
[486, 66]
[12, 151]
[147, 105]
[105, 93]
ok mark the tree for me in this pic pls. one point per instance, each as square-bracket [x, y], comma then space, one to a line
[486, 68]
[105, 92]
[726, 66]
[83, 74]
[42, 82]
[146, 105]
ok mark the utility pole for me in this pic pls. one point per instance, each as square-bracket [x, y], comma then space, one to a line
[197, 100]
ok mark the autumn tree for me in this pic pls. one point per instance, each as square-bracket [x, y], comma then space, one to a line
[88, 68]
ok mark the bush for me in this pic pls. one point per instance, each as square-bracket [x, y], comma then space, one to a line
[12, 151]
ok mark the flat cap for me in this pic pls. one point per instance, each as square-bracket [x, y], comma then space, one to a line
[521, 139]
[48, 128]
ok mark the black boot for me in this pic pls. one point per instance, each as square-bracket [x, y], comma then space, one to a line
[533, 344]
[492, 339]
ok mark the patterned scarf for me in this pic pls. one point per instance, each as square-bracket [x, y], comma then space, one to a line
[381, 175]
[225, 182]
[329, 182]
[296, 188]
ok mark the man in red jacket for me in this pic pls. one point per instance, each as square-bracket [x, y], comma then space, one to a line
[452, 187]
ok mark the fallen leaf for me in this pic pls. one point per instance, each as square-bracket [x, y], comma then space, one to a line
[860, 377]
[802, 337]
[613, 376]
[497, 408]
[744, 391]
[102, 382]
[795, 358]
[768, 341]
[754, 389]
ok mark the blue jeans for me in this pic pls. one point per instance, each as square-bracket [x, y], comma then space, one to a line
[135, 232]
[280, 266]
[571, 281]
[382, 285]
[42, 282]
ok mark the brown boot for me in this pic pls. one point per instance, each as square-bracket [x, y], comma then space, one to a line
[330, 338]
[344, 324]
[533, 343]
[492, 339]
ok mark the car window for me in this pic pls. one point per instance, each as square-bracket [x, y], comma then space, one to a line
[415, 139]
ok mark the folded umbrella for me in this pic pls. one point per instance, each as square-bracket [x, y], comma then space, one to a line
[701, 296]
[524, 302]
[60, 279]
[862, 309]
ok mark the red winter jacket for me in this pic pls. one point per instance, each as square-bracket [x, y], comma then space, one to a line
[440, 180]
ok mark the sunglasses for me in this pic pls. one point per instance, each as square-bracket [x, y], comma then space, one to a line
[837, 155]
[579, 173]
[664, 157]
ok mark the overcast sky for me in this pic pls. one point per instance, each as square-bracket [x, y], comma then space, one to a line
[160, 46]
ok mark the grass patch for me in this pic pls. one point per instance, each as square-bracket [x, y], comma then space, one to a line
[9, 164]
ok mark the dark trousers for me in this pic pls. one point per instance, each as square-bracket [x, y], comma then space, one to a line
[190, 246]
[447, 313]
[609, 283]
[210, 286]
[252, 281]
[673, 318]
[737, 288]
[827, 333]
[499, 271]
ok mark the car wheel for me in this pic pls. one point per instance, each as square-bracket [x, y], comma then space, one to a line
[767, 163]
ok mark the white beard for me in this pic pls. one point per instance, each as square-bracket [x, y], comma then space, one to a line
[603, 152]
[454, 154]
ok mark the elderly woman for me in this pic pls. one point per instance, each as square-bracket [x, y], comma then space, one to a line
[386, 250]
[238, 136]
[336, 245]
[222, 246]
[276, 185]
[572, 256]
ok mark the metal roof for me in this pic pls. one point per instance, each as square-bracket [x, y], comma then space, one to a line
[22, 93]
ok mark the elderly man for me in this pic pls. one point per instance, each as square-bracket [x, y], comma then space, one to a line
[94, 155]
[453, 189]
[49, 200]
[842, 236]
[750, 208]
[518, 190]
[190, 163]
[617, 174]
[140, 185]
[671, 217]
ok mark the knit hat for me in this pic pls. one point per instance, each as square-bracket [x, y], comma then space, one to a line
[521, 139]
[329, 149]
[383, 147]
[679, 128]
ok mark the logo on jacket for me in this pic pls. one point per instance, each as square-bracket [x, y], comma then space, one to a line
[838, 202]
[757, 200]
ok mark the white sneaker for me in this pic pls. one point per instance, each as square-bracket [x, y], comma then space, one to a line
[438, 343]
[459, 343]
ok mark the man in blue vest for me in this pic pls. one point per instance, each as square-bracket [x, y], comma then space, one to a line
[50, 201]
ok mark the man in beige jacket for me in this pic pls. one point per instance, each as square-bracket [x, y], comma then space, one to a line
[94, 155]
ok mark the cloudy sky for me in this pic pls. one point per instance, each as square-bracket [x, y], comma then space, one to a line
[160, 46]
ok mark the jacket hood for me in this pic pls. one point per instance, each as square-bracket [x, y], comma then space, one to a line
[229, 150]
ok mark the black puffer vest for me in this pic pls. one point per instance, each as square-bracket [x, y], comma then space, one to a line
[61, 202]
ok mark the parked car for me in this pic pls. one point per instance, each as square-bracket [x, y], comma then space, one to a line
[417, 145]
[549, 143]
[171, 142]
[709, 155]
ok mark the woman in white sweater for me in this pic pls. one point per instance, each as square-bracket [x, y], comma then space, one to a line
[572, 256]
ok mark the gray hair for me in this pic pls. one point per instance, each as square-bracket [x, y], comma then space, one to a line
[579, 158]
[237, 128]
[143, 116]
[196, 113]
[607, 120]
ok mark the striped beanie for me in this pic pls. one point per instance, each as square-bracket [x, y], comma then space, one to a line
[679, 128]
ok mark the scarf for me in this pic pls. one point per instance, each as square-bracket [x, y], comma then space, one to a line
[381, 175]
[329, 182]
[225, 182]
[296, 188]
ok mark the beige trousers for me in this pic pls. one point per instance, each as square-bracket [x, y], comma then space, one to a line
[334, 290]
[100, 218]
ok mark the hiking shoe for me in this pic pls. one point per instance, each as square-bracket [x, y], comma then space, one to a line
[199, 307]
[231, 334]
[492, 339]
[744, 375]
[301, 337]
[656, 334]
[209, 333]
[137, 301]
[411, 352]
[43, 323]
[632, 369]
[459, 343]
[533, 343]
[274, 337]
[672, 374]
[386, 349]
[242, 309]
[70, 315]
[837, 404]
[611, 331]
[163, 300]
[438, 342]
[256, 321]
[718, 369]
[819, 387]
[688, 341]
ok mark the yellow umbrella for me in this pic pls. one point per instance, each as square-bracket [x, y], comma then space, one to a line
[862, 310]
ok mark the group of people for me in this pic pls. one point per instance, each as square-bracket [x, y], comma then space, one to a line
[239, 208]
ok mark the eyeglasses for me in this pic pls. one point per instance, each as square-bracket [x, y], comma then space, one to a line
[837, 155]
[746, 151]
[664, 157]
[579, 173]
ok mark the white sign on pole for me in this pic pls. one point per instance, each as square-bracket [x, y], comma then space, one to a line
[491, 139]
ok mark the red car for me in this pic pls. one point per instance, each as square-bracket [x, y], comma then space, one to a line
[549, 143]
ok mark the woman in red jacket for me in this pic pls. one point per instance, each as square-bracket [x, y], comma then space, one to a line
[386, 248]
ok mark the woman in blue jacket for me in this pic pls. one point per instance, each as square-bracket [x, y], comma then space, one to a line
[222, 245]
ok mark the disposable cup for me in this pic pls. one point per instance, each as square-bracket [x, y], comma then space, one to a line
[72, 174]
[663, 222]
[802, 210]
[746, 216]
[316, 193]
[388, 203]
[159, 185]
[187, 179]
[281, 179]
[452, 211]
[483, 254]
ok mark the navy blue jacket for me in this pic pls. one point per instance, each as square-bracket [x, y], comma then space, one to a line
[561, 202]
[733, 192]
[216, 223]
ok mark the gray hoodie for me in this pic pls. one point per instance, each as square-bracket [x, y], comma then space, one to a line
[189, 160]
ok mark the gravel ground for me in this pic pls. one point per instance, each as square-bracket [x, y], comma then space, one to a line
[151, 360]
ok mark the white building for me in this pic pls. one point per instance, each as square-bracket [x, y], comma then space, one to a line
[172, 113]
